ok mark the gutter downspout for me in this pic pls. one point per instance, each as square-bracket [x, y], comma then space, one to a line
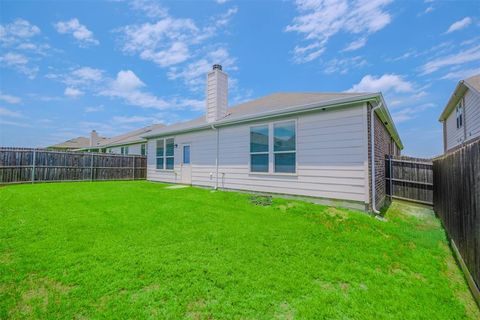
[216, 157]
[372, 148]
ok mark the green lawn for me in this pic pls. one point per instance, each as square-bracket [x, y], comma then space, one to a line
[139, 250]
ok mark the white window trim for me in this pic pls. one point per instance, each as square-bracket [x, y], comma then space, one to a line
[262, 152]
[459, 114]
[271, 152]
[165, 154]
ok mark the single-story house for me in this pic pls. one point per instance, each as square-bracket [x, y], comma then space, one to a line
[320, 145]
[130, 143]
[79, 143]
[461, 115]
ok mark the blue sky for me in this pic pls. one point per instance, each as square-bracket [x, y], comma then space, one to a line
[69, 67]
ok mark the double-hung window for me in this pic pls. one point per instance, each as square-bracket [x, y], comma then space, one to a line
[259, 150]
[284, 147]
[143, 149]
[165, 154]
[273, 143]
[459, 114]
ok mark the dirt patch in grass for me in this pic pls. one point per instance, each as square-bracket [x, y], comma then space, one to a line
[38, 295]
[285, 312]
[196, 310]
[261, 200]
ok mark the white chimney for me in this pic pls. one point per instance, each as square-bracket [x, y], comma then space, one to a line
[217, 94]
[94, 138]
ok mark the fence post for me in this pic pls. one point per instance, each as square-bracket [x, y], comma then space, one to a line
[133, 167]
[91, 168]
[391, 176]
[33, 165]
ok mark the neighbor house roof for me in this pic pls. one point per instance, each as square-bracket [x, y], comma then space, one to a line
[278, 104]
[76, 143]
[131, 137]
[472, 83]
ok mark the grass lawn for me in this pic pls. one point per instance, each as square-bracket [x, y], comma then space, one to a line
[139, 250]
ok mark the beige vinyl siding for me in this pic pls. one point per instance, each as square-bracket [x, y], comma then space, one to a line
[203, 150]
[331, 154]
[471, 127]
[454, 136]
[472, 114]
[133, 149]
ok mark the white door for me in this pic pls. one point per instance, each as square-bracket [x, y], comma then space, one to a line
[186, 166]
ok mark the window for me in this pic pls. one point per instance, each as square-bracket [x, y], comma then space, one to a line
[284, 147]
[282, 137]
[186, 154]
[459, 114]
[160, 153]
[143, 149]
[169, 150]
[123, 150]
[259, 149]
[165, 154]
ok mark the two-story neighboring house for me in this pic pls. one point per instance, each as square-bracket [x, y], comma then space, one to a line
[461, 116]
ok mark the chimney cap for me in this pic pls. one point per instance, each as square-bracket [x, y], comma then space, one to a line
[217, 66]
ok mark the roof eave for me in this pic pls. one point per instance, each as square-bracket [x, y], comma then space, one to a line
[450, 105]
[392, 129]
[271, 114]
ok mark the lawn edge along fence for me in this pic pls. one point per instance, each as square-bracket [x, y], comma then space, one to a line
[457, 203]
[31, 165]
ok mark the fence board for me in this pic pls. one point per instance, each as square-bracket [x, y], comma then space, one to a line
[27, 165]
[457, 201]
[409, 179]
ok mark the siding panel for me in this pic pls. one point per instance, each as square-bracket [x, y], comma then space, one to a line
[331, 158]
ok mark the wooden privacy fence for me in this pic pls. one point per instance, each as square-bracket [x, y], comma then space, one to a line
[409, 179]
[23, 165]
[456, 196]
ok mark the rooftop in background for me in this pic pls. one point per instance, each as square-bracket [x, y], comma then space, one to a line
[472, 83]
[76, 143]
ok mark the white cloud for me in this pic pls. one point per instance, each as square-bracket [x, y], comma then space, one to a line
[128, 86]
[132, 119]
[18, 30]
[464, 56]
[460, 24]
[77, 30]
[4, 112]
[170, 41]
[19, 63]
[9, 98]
[87, 74]
[94, 109]
[319, 20]
[73, 92]
[385, 83]
[429, 9]
[221, 1]
[84, 76]
[357, 44]
[461, 74]
[151, 9]
[194, 73]
[411, 112]
[342, 66]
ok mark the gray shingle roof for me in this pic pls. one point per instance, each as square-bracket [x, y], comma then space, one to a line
[271, 103]
[474, 82]
[76, 143]
[130, 137]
